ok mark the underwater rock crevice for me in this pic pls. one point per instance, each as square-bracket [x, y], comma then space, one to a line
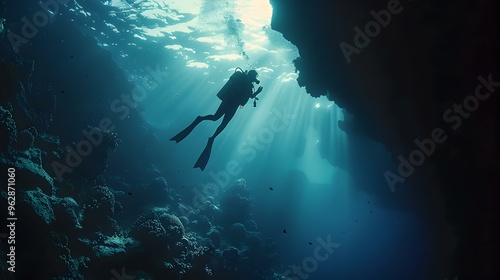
[397, 88]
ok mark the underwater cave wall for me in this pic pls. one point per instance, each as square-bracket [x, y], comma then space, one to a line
[419, 59]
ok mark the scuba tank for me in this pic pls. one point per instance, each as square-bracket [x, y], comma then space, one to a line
[234, 88]
[230, 89]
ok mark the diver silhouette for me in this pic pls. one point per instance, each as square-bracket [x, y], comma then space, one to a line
[233, 94]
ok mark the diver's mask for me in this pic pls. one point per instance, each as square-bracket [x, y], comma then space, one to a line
[254, 76]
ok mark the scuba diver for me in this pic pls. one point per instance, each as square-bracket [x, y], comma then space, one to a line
[233, 94]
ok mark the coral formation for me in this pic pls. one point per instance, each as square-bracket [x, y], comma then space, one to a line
[236, 204]
[8, 131]
[26, 138]
[156, 227]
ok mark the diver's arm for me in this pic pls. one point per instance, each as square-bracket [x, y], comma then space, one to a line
[259, 90]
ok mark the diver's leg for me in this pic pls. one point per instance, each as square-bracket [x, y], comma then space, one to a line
[205, 155]
[217, 115]
[227, 118]
[184, 133]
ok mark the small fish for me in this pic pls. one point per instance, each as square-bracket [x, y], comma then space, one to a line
[271, 188]
[129, 193]
[284, 231]
[310, 243]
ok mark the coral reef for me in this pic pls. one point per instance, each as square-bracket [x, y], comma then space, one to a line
[156, 228]
[98, 209]
[28, 166]
[236, 204]
[94, 223]
[67, 213]
[26, 138]
[237, 233]
[38, 103]
[40, 204]
[8, 131]
[96, 162]
[156, 193]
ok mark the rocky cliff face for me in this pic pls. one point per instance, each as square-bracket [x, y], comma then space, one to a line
[415, 70]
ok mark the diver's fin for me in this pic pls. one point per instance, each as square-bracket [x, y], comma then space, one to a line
[205, 155]
[184, 133]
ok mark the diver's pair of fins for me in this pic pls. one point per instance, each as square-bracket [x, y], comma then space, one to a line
[205, 155]
[184, 133]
